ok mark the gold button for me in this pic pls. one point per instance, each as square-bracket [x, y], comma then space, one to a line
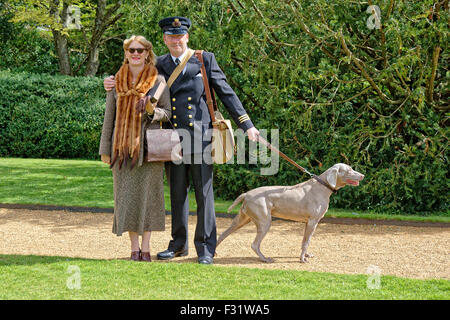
[173, 108]
[189, 107]
[190, 116]
[190, 124]
[175, 125]
[174, 117]
[173, 99]
[189, 98]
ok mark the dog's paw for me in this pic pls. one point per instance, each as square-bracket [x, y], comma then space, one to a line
[309, 255]
[267, 260]
[303, 259]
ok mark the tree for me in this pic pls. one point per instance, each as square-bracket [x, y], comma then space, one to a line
[66, 19]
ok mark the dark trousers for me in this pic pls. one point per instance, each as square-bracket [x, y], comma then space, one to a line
[205, 238]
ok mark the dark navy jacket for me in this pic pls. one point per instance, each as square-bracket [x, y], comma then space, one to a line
[188, 99]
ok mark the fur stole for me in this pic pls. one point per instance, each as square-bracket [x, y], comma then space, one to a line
[127, 132]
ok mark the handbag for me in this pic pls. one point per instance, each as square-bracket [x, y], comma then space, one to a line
[222, 137]
[162, 144]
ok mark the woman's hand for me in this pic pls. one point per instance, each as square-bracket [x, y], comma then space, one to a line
[144, 104]
[106, 159]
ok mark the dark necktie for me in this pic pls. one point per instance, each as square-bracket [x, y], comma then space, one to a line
[177, 61]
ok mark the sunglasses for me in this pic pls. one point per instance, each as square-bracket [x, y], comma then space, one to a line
[139, 50]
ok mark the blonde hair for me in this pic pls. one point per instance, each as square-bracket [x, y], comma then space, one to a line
[151, 59]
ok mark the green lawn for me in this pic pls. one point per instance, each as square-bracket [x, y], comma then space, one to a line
[66, 183]
[35, 277]
[89, 184]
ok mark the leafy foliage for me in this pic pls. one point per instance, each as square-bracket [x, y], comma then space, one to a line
[24, 48]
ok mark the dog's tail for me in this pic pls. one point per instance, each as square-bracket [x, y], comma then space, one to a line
[236, 202]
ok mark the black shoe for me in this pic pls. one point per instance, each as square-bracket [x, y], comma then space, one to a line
[169, 254]
[205, 260]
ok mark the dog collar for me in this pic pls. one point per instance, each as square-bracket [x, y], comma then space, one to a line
[324, 183]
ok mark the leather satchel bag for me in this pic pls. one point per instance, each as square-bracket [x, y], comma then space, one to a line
[222, 137]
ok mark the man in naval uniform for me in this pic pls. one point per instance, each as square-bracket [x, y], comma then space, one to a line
[190, 115]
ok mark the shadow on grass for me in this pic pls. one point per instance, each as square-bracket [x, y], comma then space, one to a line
[28, 260]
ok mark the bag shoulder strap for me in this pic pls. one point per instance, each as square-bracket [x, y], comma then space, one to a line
[210, 98]
[154, 99]
[158, 92]
[156, 95]
[179, 68]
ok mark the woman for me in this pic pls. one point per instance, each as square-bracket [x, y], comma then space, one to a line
[138, 185]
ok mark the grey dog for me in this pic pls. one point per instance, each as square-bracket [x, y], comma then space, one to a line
[304, 202]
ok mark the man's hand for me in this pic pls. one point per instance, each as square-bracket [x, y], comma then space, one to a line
[109, 83]
[253, 134]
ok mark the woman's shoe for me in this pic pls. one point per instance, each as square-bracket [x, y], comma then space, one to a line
[136, 255]
[146, 257]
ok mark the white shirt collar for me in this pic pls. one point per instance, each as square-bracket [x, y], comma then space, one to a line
[180, 57]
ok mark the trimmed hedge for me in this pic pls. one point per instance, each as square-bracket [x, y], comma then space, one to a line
[43, 116]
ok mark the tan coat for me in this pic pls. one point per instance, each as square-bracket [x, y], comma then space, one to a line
[138, 193]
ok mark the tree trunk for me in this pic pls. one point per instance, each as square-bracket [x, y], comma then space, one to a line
[60, 39]
[62, 53]
[102, 21]
[92, 62]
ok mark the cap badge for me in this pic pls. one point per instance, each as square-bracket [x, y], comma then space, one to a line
[176, 23]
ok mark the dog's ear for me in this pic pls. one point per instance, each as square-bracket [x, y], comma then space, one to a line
[332, 176]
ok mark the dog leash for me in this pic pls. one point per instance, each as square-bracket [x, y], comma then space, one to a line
[265, 142]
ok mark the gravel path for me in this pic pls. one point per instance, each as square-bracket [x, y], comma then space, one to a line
[404, 251]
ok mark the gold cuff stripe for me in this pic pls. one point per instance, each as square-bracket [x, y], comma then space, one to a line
[243, 118]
